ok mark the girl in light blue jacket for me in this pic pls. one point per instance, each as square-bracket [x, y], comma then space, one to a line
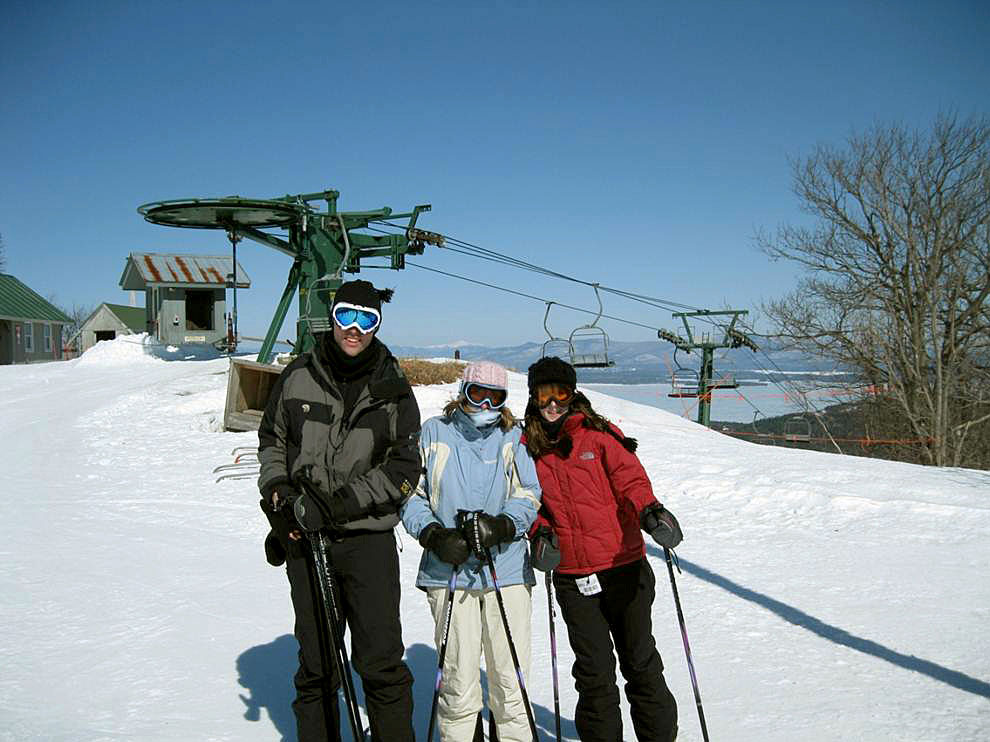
[473, 461]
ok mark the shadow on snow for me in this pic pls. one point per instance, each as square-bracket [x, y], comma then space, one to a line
[265, 671]
[797, 617]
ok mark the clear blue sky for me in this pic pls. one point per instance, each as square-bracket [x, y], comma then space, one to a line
[639, 145]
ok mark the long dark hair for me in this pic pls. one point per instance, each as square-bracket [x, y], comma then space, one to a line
[538, 443]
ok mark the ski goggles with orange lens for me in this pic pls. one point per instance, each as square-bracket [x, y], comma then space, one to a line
[547, 393]
[477, 395]
[346, 316]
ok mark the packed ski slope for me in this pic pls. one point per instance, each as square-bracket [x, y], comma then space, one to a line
[826, 598]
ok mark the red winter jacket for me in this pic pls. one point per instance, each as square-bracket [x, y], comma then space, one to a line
[592, 499]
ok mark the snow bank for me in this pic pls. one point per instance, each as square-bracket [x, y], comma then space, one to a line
[121, 351]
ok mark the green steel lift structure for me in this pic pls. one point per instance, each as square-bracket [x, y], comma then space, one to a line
[705, 381]
[323, 244]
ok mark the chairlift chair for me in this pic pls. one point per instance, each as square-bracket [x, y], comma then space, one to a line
[591, 332]
[727, 381]
[555, 346]
[684, 382]
[798, 430]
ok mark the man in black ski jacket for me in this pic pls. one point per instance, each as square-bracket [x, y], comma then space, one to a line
[340, 433]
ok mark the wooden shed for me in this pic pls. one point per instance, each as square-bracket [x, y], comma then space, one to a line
[30, 326]
[185, 295]
[107, 322]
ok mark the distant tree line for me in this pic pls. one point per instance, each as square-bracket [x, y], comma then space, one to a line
[851, 428]
[896, 281]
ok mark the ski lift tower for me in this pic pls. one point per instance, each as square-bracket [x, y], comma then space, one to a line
[322, 245]
[708, 344]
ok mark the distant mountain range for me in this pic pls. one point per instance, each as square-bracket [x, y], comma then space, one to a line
[641, 362]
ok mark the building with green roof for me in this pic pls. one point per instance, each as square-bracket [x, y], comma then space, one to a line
[107, 322]
[30, 326]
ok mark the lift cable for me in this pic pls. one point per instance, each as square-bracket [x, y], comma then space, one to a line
[794, 388]
[477, 251]
[528, 296]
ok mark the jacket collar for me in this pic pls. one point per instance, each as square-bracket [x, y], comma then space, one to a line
[573, 422]
[383, 382]
[462, 422]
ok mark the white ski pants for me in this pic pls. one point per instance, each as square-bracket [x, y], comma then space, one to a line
[476, 624]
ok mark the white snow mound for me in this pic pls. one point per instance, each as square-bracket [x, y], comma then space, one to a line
[121, 351]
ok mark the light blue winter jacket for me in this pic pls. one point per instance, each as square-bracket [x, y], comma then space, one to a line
[467, 468]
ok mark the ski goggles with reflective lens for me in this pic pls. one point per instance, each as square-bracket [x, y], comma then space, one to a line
[346, 316]
[477, 395]
[544, 394]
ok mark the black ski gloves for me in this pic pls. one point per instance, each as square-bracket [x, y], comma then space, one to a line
[544, 549]
[315, 510]
[308, 513]
[661, 524]
[483, 531]
[277, 507]
[446, 543]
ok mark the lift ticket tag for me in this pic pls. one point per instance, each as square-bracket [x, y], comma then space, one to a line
[589, 585]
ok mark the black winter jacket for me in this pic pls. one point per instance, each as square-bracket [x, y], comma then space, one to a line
[371, 458]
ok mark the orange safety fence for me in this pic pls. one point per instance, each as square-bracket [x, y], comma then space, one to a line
[804, 439]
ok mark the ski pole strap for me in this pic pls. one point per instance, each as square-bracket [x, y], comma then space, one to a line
[553, 655]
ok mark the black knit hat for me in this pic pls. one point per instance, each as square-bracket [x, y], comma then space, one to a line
[551, 370]
[362, 293]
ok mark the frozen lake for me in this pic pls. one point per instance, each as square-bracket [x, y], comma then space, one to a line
[730, 405]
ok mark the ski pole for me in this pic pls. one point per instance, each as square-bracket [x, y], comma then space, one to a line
[443, 651]
[348, 679]
[334, 621]
[687, 647]
[553, 657]
[512, 646]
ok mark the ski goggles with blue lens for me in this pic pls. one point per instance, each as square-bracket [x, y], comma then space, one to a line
[346, 316]
[477, 395]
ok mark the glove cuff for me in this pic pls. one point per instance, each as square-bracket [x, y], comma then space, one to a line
[344, 506]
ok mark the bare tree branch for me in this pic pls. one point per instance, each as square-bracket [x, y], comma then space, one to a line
[897, 281]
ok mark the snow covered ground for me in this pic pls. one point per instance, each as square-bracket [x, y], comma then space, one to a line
[826, 597]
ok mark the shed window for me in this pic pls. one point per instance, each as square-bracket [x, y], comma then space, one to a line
[199, 310]
[28, 337]
[48, 338]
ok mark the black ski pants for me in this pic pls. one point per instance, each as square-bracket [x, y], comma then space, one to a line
[366, 572]
[620, 613]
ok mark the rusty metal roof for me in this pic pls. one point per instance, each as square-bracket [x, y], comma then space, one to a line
[180, 270]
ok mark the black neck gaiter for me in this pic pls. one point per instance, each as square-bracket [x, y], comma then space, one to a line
[345, 368]
[553, 429]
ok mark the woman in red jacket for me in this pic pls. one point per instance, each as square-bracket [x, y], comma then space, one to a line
[596, 497]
